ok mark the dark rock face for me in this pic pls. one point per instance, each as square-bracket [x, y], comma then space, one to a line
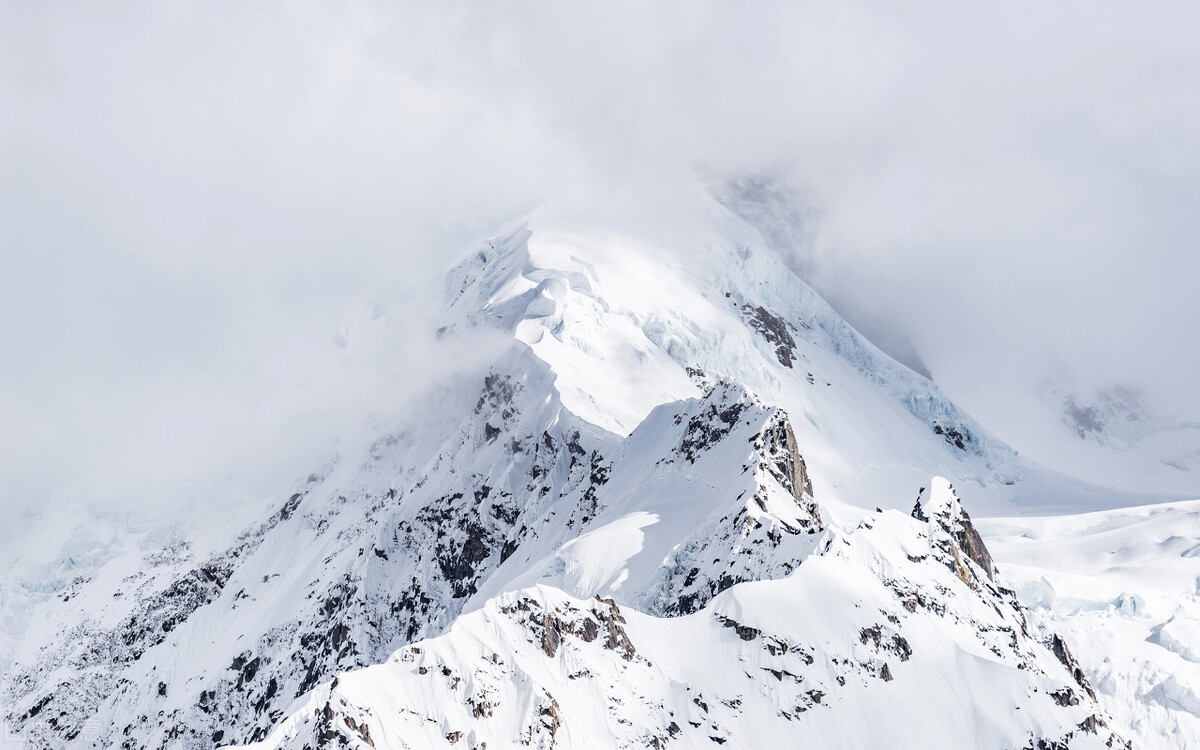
[881, 638]
[954, 436]
[551, 627]
[918, 512]
[459, 555]
[1059, 647]
[723, 410]
[337, 729]
[969, 541]
[774, 329]
[777, 443]
[954, 520]
[758, 541]
[752, 542]
[744, 632]
[792, 470]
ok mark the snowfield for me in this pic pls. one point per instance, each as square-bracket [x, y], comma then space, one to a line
[687, 506]
[1124, 587]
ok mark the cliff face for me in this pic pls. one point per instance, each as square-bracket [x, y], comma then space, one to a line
[940, 507]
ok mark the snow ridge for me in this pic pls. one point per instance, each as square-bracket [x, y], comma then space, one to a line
[848, 651]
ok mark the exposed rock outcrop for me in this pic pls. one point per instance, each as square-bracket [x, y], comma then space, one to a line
[943, 510]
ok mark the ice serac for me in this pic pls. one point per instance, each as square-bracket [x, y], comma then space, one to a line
[1119, 586]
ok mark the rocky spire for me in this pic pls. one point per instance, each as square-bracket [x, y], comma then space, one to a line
[943, 509]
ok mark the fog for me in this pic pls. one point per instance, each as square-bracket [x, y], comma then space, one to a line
[199, 201]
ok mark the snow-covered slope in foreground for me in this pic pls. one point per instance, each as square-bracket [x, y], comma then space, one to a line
[890, 635]
[1123, 587]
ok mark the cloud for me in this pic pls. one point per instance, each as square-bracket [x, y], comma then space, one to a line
[197, 197]
[196, 201]
[1024, 214]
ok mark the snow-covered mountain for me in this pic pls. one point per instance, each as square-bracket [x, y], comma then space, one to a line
[1118, 421]
[678, 510]
[1113, 434]
[890, 634]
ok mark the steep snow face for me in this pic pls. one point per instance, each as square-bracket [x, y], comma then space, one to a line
[1122, 588]
[705, 493]
[879, 639]
[630, 316]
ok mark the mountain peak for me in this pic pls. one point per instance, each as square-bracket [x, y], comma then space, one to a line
[630, 314]
[943, 510]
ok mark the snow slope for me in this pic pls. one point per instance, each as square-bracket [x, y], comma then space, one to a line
[1123, 586]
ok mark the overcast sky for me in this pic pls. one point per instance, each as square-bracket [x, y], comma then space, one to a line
[195, 197]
